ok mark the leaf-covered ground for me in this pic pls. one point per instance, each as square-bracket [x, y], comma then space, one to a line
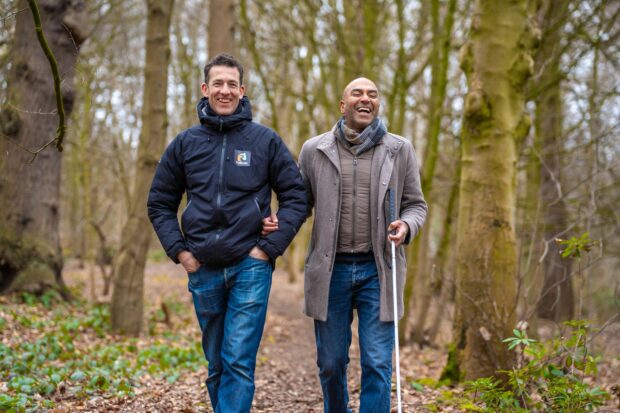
[62, 358]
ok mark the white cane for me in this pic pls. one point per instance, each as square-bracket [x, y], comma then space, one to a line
[394, 303]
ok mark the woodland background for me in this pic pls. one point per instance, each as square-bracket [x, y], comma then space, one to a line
[512, 106]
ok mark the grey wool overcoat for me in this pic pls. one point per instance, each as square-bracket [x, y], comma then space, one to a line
[393, 166]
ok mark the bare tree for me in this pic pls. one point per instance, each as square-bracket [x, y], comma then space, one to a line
[556, 301]
[128, 276]
[494, 121]
[418, 254]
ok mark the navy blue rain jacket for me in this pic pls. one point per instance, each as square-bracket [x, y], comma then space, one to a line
[228, 165]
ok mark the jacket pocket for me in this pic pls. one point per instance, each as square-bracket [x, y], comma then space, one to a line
[260, 213]
[186, 218]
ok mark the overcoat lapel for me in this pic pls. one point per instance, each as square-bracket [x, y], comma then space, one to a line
[328, 147]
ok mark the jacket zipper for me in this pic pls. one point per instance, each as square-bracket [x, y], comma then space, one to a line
[220, 180]
[353, 214]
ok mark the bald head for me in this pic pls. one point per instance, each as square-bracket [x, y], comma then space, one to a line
[360, 81]
[360, 103]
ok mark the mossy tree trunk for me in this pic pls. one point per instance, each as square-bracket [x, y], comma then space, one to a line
[556, 301]
[30, 254]
[497, 62]
[127, 296]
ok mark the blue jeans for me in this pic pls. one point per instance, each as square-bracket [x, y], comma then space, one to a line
[354, 285]
[231, 304]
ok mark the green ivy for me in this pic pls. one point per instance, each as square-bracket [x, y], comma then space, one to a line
[32, 371]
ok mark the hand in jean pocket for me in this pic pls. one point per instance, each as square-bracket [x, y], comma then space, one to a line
[188, 261]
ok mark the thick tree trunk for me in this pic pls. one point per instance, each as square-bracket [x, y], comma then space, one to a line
[556, 301]
[30, 255]
[222, 27]
[127, 296]
[497, 62]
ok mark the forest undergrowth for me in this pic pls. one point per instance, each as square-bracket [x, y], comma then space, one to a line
[62, 357]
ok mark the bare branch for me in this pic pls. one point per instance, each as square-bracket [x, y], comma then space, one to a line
[62, 127]
[35, 152]
[11, 14]
[555, 180]
[30, 112]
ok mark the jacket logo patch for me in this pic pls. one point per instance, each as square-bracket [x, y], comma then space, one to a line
[242, 158]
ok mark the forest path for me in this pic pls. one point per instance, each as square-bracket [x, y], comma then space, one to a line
[286, 372]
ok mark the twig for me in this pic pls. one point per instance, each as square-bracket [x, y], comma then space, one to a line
[60, 131]
[34, 153]
[30, 112]
[13, 13]
[560, 281]
[609, 321]
[555, 180]
[72, 39]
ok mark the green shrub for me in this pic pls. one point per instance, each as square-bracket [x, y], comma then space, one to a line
[549, 377]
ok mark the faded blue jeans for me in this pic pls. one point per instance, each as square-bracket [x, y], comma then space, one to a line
[354, 285]
[231, 304]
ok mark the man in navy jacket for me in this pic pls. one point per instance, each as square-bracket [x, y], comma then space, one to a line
[228, 166]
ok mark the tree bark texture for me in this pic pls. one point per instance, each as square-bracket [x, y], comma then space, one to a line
[30, 254]
[497, 62]
[556, 301]
[221, 27]
[127, 296]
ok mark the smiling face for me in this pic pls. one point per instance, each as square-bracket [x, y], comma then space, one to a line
[224, 89]
[360, 104]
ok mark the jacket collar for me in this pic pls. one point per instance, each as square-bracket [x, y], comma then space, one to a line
[212, 120]
[392, 143]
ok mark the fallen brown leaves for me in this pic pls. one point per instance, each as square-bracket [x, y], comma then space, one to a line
[286, 373]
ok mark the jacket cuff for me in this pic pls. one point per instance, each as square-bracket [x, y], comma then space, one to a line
[409, 235]
[174, 251]
[264, 245]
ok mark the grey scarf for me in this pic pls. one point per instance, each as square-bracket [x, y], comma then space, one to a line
[359, 143]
